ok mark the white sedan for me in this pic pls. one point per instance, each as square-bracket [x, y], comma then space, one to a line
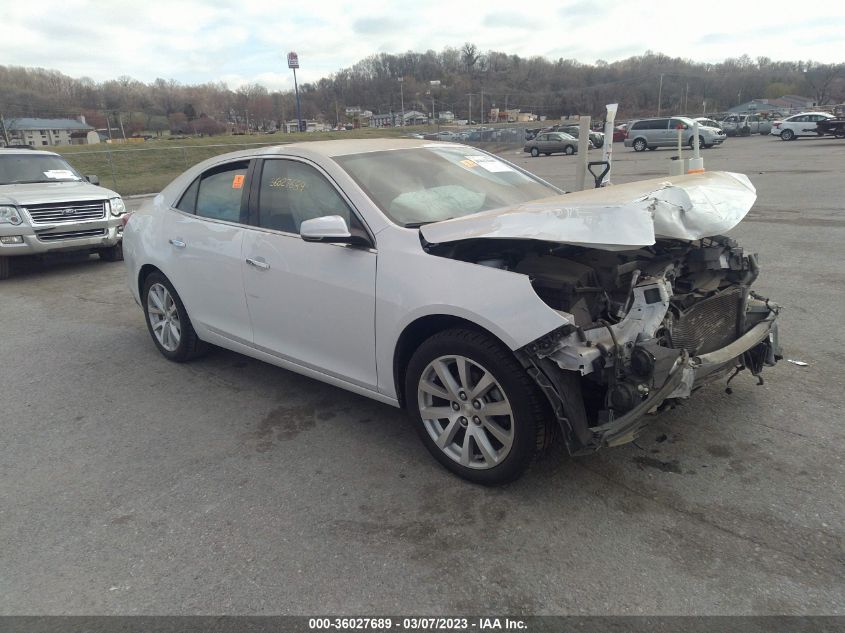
[803, 124]
[439, 278]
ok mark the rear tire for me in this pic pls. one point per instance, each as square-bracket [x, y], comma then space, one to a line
[491, 448]
[787, 135]
[640, 145]
[180, 342]
[111, 254]
[5, 267]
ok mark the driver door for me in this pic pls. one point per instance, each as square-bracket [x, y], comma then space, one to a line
[310, 303]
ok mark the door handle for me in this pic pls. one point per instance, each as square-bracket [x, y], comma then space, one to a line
[178, 243]
[257, 263]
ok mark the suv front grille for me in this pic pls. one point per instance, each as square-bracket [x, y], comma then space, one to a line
[69, 235]
[62, 212]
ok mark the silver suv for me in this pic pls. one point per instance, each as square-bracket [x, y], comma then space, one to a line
[653, 133]
[46, 205]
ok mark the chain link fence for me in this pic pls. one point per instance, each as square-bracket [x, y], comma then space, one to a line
[144, 170]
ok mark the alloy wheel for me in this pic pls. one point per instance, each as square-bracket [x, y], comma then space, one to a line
[466, 412]
[164, 317]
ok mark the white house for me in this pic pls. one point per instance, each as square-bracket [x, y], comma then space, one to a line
[39, 132]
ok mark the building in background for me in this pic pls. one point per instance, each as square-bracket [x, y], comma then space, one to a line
[787, 104]
[47, 132]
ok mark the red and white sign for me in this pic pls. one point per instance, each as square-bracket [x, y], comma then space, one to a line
[293, 60]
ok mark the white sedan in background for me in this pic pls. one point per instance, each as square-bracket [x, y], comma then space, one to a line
[442, 279]
[803, 124]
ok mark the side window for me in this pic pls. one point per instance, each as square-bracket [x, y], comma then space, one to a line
[188, 201]
[292, 192]
[660, 124]
[220, 192]
[639, 125]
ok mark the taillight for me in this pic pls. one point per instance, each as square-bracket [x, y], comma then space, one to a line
[625, 133]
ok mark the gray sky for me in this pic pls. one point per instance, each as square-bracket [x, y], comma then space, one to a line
[238, 42]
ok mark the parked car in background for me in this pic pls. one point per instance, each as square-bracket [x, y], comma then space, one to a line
[653, 133]
[496, 310]
[47, 206]
[745, 125]
[803, 124]
[620, 132]
[549, 143]
[596, 138]
[703, 120]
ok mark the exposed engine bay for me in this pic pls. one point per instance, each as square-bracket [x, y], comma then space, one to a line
[645, 326]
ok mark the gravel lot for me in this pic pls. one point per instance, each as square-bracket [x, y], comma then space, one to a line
[132, 485]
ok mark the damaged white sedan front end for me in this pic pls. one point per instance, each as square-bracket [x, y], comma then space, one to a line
[656, 302]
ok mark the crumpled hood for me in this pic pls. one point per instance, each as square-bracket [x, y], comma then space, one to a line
[41, 193]
[618, 217]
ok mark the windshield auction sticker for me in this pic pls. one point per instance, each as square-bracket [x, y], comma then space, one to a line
[59, 174]
[489, 163]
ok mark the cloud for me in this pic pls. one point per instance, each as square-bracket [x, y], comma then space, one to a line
[508, 20]
[375, 26]
[241, 42]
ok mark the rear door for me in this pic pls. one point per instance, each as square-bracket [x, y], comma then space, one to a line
[205, 232]
[310, 303]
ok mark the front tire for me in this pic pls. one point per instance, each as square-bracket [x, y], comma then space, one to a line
[787, 135]
[535, 152]
[168, 321]
[569, 150]
[475, 407]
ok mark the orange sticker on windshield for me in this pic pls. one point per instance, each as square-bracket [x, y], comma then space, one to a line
[469, 163]
[238, 182]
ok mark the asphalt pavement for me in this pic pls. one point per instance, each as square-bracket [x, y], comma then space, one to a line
[131, 485]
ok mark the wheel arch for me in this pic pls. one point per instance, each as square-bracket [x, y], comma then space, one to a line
[418, 331]
[145, 271]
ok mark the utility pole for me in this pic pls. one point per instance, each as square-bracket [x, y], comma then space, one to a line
[482, 107]
[469, 111]
[5, 129]
[402, 97]
[659, 94]
[686, 98]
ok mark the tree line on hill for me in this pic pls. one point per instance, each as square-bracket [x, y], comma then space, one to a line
[463, 77]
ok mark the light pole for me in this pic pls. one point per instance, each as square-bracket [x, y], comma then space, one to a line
[402, 97]
[659, 94]
[293, 64]
[433, 83]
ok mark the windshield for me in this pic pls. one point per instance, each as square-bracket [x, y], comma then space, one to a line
[429, 184]
[23, 168]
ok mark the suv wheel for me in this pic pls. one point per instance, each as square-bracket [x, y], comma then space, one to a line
[640, 145]
[111, 254]
[535, 152]
[787, 135]
[475, 407]
[569, 150]
[168, 321]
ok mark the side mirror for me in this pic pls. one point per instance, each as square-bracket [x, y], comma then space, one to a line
[329, 228]
[94, 180]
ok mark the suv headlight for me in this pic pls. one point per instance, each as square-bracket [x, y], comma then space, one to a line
[117, 207]
[9, 215]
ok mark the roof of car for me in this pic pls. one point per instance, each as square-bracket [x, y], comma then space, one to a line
[344, 147]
